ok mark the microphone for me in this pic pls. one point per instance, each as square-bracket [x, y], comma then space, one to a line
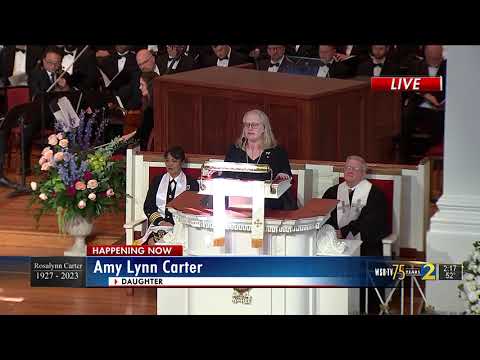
[244, 140]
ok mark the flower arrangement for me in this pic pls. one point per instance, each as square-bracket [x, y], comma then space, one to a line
[470, 286]
[77, 177]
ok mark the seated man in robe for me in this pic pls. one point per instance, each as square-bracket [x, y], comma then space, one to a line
[361, 213]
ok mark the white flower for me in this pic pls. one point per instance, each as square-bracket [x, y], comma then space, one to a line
[92, 196]
[43, 197]
[33, 185]
[468, 277]
[472, 296]
[82, 204]
[477, 281]
[470, 286]
[472, 267]
[463, 296]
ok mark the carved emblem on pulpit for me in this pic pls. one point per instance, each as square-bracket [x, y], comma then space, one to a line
[242, 296]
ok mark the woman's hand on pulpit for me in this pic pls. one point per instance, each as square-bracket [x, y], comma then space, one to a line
[164, 223]
[282, 176]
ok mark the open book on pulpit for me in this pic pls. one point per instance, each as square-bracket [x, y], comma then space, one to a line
[239, 192]
[255, 190]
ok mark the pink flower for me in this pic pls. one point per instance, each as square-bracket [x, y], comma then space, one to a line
[63, 143]
[42, 161]
[45, 149]
[92, 196]
[43, 197]
[88, 175]
[48, 155]
[58, 156]
[82, 204]
[59, 136]
[92, 184]
[110, 192]
[33, 185]
[80, 185]
[46, 166]
[52, 140]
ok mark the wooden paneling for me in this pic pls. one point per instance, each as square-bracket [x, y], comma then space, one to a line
[314, 119]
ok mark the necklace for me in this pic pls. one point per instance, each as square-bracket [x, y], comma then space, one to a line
[258, 159]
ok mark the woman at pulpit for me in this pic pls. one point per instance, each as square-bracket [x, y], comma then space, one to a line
[164, 188]
[257, 145]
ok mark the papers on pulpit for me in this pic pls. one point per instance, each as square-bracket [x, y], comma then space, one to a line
[327, 242]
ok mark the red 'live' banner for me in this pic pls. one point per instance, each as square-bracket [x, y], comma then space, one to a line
[407, 83]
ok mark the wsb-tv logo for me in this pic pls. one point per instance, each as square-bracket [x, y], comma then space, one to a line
[399, 271]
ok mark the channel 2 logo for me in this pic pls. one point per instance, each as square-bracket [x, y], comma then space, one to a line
[426, 271]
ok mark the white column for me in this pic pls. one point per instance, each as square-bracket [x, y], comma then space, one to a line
[456, 225]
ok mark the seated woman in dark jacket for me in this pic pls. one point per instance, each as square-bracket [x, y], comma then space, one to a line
[164, 188]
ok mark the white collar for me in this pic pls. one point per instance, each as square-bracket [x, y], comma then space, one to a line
[177, 179]
[277, 62]
[376, 61]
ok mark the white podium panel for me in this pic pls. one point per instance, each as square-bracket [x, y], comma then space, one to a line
[282, 238]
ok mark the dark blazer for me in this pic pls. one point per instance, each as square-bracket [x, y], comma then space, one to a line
[277, 158]
[337, 70]
[34, 55]
[421, 69]
[184, 64]
[122, 85]
[287, 66]
[236, 58]
[310, 51]
[388, 69]
[361, 51]
[150, 205]
[85, 74]
[39, 81]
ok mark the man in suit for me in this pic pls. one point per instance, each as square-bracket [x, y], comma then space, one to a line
[351, 56]
[44, 75]
[425, 112]
[327, 66]
[309, 51]
[175, 60]
[147, 62]
[18, 59]
[121, 65]
[380, 63]
[277, 61]
[224, 56]
[83, 73]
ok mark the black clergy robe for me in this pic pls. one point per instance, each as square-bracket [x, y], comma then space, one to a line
[371, 224]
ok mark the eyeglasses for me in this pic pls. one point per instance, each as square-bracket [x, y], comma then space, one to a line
[348, 167]
[251, 125]
[54, 63]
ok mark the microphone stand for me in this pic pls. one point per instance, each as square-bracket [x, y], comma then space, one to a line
[21, 188]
